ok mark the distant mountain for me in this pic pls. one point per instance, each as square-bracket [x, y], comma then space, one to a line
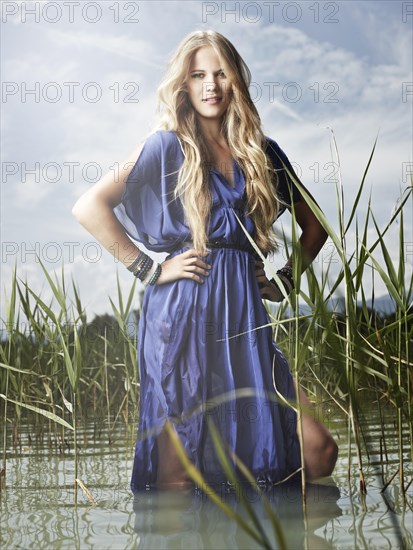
[384, 305]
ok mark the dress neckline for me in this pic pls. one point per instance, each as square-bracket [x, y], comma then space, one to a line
[239, 179]
[237, 173]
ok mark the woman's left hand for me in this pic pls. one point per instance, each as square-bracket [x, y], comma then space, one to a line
[269, 290]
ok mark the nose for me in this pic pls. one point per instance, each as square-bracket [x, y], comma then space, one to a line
[211, 86]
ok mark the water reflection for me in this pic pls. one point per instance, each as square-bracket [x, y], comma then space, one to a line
[162, 518]
[38, 509]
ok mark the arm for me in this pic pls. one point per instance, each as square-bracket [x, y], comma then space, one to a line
[313, 234]
[312, 238]
[94, 211]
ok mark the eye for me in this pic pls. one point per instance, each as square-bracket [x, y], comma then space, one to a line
[197, 75]
[221, 74]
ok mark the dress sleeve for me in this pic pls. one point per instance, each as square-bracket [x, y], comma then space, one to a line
[148, 211]
[287, 191]
[137, 206]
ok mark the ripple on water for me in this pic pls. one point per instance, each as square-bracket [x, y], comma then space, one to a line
[38, 507]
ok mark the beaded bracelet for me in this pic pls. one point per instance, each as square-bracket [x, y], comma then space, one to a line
[142, 265]
[144, 274]
[155, 276]
[143, 268]
[286, 276]
[136, 261]
[145, 264]
[149, 274]
[287, 271]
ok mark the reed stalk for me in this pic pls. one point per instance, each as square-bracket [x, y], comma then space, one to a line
[337, 353]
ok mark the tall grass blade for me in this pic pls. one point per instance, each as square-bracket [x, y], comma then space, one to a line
[229, 472]
[357, 199]
[197, 477]
[43, 412]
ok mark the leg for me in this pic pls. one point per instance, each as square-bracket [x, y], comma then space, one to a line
[171, 473]
[320, 449]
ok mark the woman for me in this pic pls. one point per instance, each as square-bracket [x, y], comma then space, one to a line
[183, 191]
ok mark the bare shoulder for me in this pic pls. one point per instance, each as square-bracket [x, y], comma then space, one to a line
[109, 189]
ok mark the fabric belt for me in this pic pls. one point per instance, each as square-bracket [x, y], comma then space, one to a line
[219, 243]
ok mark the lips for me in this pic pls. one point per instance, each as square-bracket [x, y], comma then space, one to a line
[212, 100]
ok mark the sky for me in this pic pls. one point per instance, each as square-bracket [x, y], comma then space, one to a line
[78, 95]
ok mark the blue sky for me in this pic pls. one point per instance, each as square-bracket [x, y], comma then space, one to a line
[342, 66]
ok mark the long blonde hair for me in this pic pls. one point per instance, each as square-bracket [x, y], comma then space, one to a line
[241, 127]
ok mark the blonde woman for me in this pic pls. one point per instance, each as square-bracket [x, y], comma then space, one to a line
[181, 191]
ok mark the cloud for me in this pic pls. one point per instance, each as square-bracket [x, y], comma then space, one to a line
[142, 52]
[363, 70]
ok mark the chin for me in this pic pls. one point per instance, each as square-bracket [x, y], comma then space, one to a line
[209, 113]
[216, 116]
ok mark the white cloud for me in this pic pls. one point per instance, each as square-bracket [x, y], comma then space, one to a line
[369, 94]
[121, 45]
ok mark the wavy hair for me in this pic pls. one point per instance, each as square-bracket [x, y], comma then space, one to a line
[241, 128]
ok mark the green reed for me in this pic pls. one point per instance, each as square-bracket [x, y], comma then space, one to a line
[58, 355]
[360, 363]
[65, 369]
[338, 349]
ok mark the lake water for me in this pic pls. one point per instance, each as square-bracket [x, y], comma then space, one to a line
[38, 508]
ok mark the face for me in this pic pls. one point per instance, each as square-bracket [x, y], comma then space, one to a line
[209, 89]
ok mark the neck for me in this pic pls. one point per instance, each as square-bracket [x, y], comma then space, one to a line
[211, 129]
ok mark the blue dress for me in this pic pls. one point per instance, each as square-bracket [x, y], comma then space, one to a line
[187, 353]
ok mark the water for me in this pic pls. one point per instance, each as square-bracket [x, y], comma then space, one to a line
[38, 507]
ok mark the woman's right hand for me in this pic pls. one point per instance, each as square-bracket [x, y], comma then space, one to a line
[187, 265]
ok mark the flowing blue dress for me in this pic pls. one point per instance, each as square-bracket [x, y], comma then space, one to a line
[187, 353]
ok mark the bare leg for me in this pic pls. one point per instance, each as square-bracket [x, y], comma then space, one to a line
[320, 449]
[171, 473]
